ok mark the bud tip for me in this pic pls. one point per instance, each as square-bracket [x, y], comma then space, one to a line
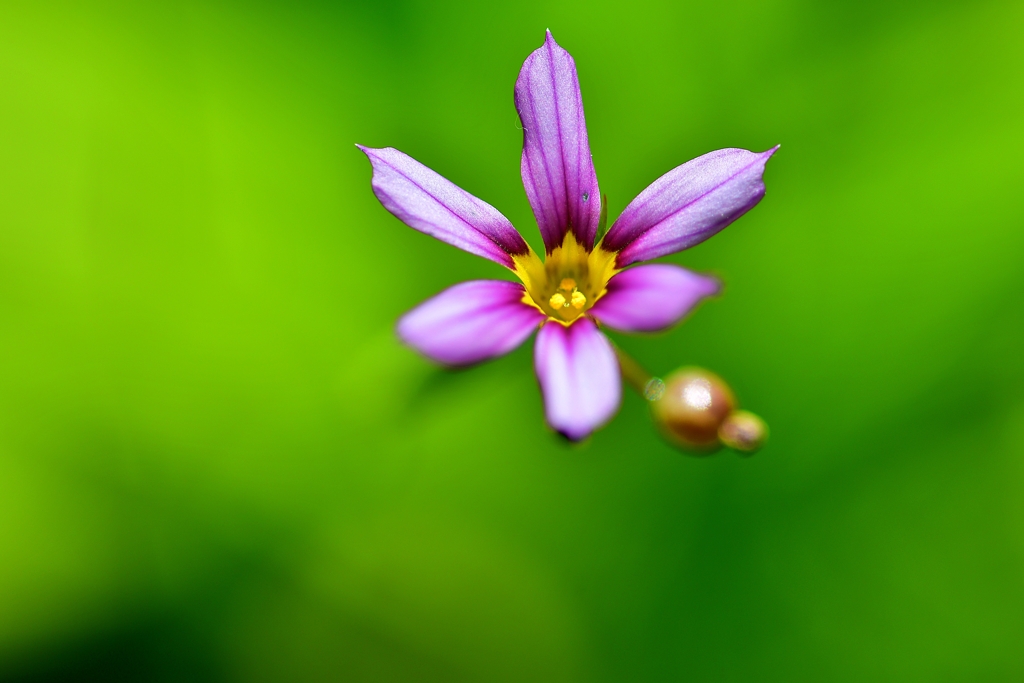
[743, 431]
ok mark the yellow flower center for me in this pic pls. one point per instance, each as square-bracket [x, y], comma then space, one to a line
[568, 282]
[568, 294]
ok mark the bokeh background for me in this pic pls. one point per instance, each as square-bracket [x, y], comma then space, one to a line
[217, 464]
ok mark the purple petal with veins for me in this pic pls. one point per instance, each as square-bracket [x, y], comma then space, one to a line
[579, 377]
[426, 201]
[688, 204]
[652, 297]
[470, 322]
[558, 172]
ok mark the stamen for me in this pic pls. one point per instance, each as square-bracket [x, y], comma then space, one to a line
[557, 300]
[578, 300]
[568, 284]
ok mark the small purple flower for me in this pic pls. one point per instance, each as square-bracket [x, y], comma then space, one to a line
[579, 285]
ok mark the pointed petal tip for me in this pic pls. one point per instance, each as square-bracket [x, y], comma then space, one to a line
[425, 201]
[557, 165]
[766, 157]
[376, 151]
[370, 152]
[552, 44]
[689, 204]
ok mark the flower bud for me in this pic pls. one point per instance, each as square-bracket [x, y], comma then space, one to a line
[693, 407]
[743, 431]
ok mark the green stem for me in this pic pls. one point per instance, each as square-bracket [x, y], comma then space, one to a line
[634, 373]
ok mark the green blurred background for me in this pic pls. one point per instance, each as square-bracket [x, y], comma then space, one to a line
[217, 464]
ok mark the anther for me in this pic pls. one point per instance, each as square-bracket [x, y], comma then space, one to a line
[568, 284]
[578, 300]
[557, 300]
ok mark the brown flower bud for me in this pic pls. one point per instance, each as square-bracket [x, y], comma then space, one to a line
[693, 408]
[743, 431]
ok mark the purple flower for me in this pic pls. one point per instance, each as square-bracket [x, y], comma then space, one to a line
[579, 285]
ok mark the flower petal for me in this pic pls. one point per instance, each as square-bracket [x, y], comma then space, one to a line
[652, 297]
[425, 201]
[688, 204]
[579, 377]
[558, 172]
[470, 322]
